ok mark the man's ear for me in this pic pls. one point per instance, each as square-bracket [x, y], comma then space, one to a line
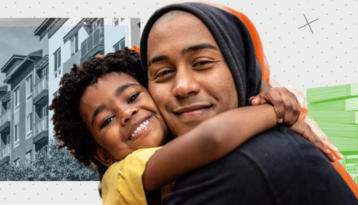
[102, 156]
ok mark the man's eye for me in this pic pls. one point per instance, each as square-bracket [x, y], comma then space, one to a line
[161, 74]
[133, 98]
[106, 121]
[204, 63]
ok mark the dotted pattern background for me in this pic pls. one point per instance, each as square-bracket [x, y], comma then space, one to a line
[297, 57]
[49, 193]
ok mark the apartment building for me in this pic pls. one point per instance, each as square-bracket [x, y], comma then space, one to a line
[5, 119]
[41, 88]
[18, 107]
[23, 121]
[33, 79]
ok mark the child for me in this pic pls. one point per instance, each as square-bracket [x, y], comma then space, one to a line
[104, 116]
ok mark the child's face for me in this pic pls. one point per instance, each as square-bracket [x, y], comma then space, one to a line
[121, 115]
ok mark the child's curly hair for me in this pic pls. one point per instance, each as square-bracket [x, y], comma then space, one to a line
[70, 129]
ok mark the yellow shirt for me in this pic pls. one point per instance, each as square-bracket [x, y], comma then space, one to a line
[122, 182]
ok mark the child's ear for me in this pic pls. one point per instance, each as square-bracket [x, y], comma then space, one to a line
[102, 157]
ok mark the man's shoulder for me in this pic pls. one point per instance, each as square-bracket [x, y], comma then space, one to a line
[280, 145]
[275, 140]
[286, 165]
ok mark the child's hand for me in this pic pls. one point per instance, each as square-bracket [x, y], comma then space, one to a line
[287, 110]
[305, 130]
[285, 103]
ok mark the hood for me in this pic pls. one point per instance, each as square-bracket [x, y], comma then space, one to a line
[233, 38]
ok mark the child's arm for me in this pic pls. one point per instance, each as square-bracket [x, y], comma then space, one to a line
[208, 142]
[213, 139]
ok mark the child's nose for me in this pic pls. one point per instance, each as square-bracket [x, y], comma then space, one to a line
[128, 115]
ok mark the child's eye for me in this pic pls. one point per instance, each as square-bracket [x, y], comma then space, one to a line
[106, 122]
[133, 98]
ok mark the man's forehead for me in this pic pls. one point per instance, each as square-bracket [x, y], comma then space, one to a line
[173, 15]
[179, 27]
[177, 33]
[173, 19]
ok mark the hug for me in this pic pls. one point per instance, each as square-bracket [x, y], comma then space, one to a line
[175, 125]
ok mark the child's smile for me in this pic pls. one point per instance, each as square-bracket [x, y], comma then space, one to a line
[121, 116]
[140, 127]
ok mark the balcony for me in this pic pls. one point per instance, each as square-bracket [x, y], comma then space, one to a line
[93, 45]
[5, 119]
[41, 90]
[5, 151]
[40, 129]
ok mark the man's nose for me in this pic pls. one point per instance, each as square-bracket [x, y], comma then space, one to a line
[128, 115]
[185, 85]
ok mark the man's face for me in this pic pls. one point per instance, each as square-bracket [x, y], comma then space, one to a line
[188, 76]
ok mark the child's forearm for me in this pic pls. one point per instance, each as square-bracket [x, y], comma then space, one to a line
[235, 127]
[209, 141]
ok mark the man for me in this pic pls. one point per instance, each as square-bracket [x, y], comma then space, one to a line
[200, 63]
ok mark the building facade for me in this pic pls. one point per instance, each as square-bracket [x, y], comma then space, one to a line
[32, 80]
[17, 107]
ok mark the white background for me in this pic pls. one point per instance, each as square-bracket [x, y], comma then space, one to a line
[326, 57]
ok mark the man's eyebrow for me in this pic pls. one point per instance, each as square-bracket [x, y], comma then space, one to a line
[184, 51]
[199, 47]
[157, 58]
[96, 112]
[122, 88]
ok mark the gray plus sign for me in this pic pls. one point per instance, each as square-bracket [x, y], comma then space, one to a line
[308, 23]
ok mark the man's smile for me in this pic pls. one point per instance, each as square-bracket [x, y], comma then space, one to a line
[192, 111]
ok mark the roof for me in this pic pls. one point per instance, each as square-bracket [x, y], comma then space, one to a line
[37, 53]
[11, 60]
[6, 97]
[3, 88]
[42, 62]
[73, 31]
[44, 25]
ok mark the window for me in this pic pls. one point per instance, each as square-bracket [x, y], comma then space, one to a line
[120, 45]
[29, 85]
[57, 61]
[44, 72]
[29, 123]
[74, 44]
[28, 158]
[17, 162]
[45, 111]
[16, 135]
[17, 97]
[7, 139]
[7, 105]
